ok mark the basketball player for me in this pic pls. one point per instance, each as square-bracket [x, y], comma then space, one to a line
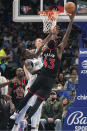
[32, 65]
[35, 119]
[45, 80]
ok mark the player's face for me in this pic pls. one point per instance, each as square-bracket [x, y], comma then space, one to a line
[38, 43]
[19, 72]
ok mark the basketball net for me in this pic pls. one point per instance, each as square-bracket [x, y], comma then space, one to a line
[49, 19]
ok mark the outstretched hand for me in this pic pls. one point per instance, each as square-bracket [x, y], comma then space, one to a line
[71, 16]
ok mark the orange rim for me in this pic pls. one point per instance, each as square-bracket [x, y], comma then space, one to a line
[49, 13]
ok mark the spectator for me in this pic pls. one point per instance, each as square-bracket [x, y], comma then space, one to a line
[65, 66]
[3, 60]
[20, 54]
[10, 53]
[65, 103]
[60, 78]
[8, 37]
[4, 114]
[61, 93]
[72, 83]
[3, 90]
[75, 59]
[67, 56]
[52, 112]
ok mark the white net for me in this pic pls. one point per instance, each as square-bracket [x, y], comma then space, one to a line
[49, 23]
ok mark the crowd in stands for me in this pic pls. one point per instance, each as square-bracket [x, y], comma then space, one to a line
[15, 37]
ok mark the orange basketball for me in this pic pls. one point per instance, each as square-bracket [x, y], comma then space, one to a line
[70, 7]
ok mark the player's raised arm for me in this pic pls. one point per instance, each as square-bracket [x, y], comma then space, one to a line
[46, 40]
[53, 32]
[63, 44]
[26, 73]
[29, 54]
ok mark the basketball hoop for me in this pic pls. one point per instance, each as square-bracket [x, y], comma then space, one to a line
[49, 19]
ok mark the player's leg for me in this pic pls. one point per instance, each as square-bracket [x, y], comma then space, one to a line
[33, 89]
[21, 108]
[16, 127]
[23, 125]
[43, 94]
[22, 113]
[20, 122]
[41, 82]
[35, 119]
[20, 126]
[44, 88]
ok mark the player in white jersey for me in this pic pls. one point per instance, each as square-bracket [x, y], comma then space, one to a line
[34, 65]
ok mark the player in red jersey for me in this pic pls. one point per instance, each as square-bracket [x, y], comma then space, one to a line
[46, 79]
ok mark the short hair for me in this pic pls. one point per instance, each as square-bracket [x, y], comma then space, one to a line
[19, 69]
[51, 44]
[74, 68]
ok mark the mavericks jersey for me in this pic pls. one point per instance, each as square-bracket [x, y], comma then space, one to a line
[51, 63]
[37, 63]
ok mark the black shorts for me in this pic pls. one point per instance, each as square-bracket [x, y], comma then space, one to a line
[42, 86]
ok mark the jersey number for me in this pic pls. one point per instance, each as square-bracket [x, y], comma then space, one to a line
[51, 66]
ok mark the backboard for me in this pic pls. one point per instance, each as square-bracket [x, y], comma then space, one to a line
[27, 10]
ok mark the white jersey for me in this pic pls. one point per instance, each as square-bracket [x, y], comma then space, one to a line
[30, 82]
[37, 63]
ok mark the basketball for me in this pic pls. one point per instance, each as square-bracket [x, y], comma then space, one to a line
[70, 7]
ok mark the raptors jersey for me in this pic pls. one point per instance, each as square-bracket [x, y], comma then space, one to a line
[51, 63]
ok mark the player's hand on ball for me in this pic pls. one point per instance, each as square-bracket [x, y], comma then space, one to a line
[71, 16]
